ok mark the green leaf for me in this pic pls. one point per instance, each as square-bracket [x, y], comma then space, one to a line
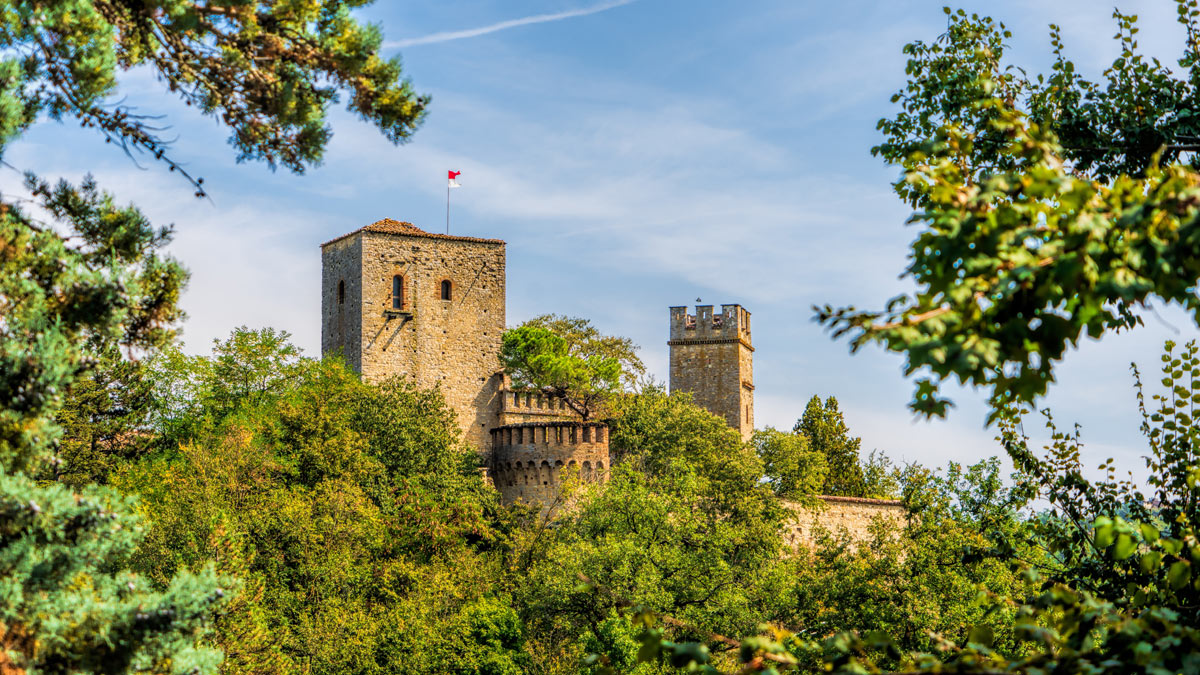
[1179, 574]
[982, 635]
[1125, 547]
[1104, 532]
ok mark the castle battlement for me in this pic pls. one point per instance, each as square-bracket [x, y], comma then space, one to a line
[530, 461]
[731, 323]
[519, 406]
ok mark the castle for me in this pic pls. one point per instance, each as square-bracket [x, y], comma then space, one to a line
[398, 300]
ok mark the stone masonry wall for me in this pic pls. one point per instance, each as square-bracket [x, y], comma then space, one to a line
[853, 514]
[530, 461]
[452, 344]
[712, 357]
[341, 317]
[519, 407]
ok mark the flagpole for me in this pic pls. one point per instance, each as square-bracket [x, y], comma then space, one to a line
[450, 176]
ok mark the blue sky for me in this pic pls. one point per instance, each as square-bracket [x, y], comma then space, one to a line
[635, 155]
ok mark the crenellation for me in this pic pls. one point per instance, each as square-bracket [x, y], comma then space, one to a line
[531, 462]
[518, 406]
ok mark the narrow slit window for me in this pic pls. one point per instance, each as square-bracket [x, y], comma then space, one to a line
[341, 292]
[398, 292]
[447, 287]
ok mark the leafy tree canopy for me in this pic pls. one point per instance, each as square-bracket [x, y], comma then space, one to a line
[685, 525]
[1048, 206]
[85, 275]
[569, 359]
[827, 434]
[363, 532]
[103, 420]
[792, 467]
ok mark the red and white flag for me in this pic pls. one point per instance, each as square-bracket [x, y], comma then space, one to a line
[452, 175]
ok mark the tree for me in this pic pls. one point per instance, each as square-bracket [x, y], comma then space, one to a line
[793, 469]
[1114, 590]
[250, 365]
[912, 584]
[1048, 207]
[662, 435]
[568, 359]
[103, 421]
[90, 277]
[363, 531]
[685, 526]
[584, 339]
[827, 433]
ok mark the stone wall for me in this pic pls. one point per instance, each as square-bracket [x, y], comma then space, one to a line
[853, 514]
[531, 461]
[712, 357]
[453, 344]
[341, 300]
[519, 407]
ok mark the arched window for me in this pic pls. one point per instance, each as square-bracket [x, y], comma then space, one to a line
[341, 291]
[398, 292]
[447, 287]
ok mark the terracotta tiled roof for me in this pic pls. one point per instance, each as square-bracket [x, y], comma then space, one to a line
[389, 226]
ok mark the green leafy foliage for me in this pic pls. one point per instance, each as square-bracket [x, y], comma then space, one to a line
[357, 519]
[82, 277]
[568, 359]
[828, 435]
[793, 469]
[269, 71]
[103, 421]
[71, 605]
[1044, 211]
[585, 339]
[1114, 590]
[685, 526]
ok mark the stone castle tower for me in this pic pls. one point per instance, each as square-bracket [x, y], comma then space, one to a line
[712, 357]
[396, 300]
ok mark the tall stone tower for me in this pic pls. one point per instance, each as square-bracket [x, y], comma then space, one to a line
[396, 300]
[712, 357]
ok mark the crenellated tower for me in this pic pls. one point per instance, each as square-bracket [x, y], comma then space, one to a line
[712, 357]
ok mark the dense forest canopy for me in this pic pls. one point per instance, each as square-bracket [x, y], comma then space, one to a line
[256, 511]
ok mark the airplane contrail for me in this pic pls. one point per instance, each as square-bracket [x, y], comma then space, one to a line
[504, 25]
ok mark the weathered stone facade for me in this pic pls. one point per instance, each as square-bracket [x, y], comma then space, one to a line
[400, 301]
[519, 407]
[853, 514]
[531, 461]
[712, 357]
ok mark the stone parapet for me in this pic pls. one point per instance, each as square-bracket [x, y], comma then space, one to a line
[732, 323]
[524, 406]
[531, 461]
[852, 515]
